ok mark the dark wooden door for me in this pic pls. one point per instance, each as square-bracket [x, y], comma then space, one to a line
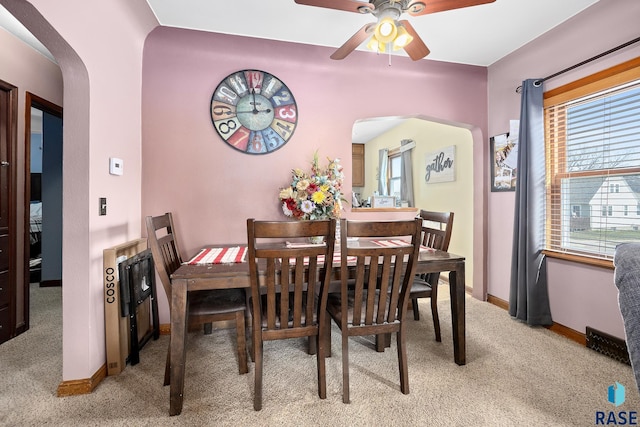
[8, 127]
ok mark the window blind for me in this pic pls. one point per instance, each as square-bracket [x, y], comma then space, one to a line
[593, 172]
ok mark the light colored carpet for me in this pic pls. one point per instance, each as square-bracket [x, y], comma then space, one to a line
[515, 376]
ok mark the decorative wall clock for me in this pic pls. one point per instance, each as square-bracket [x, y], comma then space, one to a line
[254, 112]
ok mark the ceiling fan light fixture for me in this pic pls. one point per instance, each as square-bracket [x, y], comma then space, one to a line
[376, 46]
[403, 38]
[386, 30]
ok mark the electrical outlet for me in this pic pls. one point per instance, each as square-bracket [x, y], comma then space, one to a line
[103, 206]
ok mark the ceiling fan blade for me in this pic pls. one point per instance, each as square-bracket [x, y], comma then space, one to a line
[424, 7]
[348, 5]
[355, 41]
[416, 49]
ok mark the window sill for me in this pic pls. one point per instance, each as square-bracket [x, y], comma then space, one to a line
[597, 262]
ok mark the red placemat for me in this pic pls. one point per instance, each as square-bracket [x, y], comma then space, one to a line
[227, 255]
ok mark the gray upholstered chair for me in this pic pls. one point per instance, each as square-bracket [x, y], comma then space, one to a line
[627, 280]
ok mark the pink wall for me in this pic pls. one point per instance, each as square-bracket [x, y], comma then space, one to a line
[101, 70]
[580, 295]
[212, 188]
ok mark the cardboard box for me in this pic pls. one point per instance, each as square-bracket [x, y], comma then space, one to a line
[116, 325]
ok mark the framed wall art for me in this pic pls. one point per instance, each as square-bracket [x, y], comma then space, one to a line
[441, 165]
[503, 157]
[383, 202]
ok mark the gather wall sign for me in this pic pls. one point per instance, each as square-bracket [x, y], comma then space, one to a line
[440, 165]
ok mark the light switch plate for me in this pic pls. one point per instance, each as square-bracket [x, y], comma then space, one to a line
[116, 166]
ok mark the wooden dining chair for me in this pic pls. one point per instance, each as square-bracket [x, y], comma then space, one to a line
[436, 234]
[289, 286]
[374, 301]
[205, 307]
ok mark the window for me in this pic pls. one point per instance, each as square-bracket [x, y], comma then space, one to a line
[592, 131]
[395, 175]
[576, 211]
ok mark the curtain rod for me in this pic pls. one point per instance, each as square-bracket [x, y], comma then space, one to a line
[586, 61]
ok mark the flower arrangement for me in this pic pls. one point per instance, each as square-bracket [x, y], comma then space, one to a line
[315, 195]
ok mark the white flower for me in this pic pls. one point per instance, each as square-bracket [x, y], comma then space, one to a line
[286, 210]
[307, 206]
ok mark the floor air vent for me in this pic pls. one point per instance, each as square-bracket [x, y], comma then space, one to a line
[608, 345]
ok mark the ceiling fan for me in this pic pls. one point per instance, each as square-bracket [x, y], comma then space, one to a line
[389, 31]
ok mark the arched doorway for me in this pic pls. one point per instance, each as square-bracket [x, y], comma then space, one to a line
[75, 256]
[429, 134]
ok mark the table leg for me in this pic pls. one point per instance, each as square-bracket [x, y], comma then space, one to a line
[178, 342]
[457, 291]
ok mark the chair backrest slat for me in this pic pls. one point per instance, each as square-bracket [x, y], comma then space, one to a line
[271, 293]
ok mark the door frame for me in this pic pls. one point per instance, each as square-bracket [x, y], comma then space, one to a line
[31, 100]
[12, 147]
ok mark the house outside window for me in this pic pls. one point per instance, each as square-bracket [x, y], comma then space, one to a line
[593, 165]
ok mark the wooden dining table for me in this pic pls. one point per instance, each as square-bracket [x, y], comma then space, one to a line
[188, 278]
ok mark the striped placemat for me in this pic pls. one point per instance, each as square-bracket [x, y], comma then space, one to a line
[228, 255]
[400, 242]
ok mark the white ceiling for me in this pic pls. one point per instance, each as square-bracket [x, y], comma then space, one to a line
[478, 35]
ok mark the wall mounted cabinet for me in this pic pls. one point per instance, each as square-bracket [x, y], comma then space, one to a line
[357, 162]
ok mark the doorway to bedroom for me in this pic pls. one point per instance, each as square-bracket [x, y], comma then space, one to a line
[44, 189]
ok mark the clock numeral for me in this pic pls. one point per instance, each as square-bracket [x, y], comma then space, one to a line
[256, 143]
[271, 85]
[272, 139]
[284, 129]
[282, 98]
[287, 112]
[220, 110]
[226, 94]
[254, 79]
[240, 138]
[227, 127]
[238, 83]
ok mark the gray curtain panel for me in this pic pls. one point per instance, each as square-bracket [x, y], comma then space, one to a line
[528, 296]
[406, 186]
[383, 156]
